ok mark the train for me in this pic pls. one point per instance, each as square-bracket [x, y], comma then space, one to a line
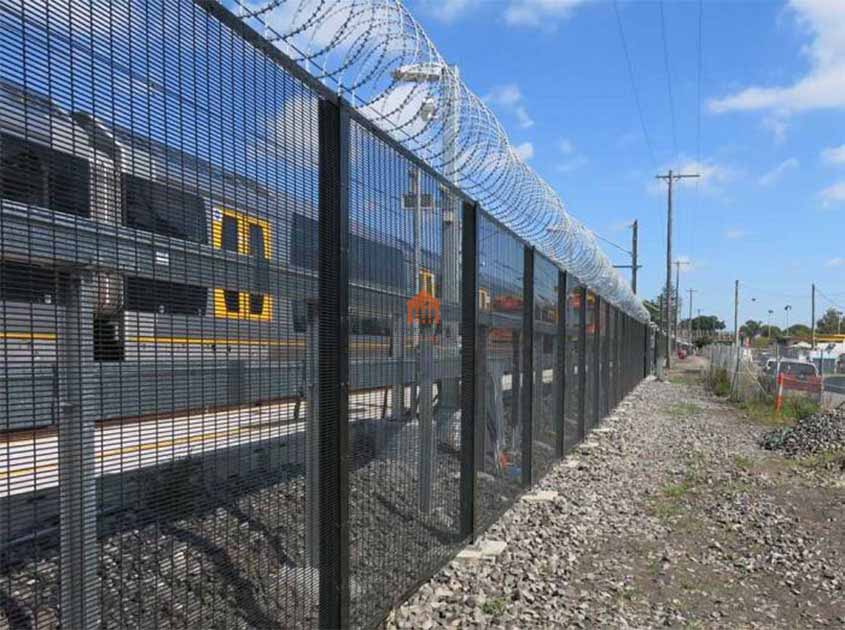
[167, 344]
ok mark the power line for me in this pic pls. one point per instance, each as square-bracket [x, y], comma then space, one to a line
[776, 293]
[634, 84]
[694, 210]
[609, 242]
[668, 78]
[837, 305]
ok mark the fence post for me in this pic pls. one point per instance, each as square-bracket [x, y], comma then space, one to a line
[469, 365]
[559, 387]
[398, 355]
[312, 436]
[334, 363]
[425, 464]
[79, 595]
[582, 362]
[528, 366]
[597, 331]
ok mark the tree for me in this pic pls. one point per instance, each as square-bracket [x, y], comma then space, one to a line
[657, 308]
[706, 323]
[800, 330]
[751, 329]
[831, 323]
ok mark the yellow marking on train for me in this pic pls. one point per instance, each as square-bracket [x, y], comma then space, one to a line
[202, 341]
[286, 343]
[28, 336]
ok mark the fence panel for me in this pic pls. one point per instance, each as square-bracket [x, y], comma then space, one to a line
[590, 382]
[405, 502]
[160, 240]
[547, 345]
[500, 282]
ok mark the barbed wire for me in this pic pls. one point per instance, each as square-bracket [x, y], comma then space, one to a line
[377, 56]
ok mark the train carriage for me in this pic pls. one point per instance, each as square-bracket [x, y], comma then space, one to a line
[166, 343]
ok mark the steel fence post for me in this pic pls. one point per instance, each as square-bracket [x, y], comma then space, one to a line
[398, 356]
[79, 595]
[469, 367]
[425, 464]
[334, 363]
[528, 366]
[560, 380]
[582, 363]
[312, 437]
[597, 333]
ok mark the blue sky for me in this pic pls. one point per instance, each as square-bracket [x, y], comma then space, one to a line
[769, 209]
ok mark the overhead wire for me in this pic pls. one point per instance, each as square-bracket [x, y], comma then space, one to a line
[668, 79]
[634, 89]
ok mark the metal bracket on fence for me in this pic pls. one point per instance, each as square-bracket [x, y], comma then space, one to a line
[79, 592]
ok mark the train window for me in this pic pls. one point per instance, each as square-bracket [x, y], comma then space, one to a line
[146, 295]
[37, 175]
[256, 304]
[233, 301]
[154, 207]
[256, 240]
[229, 233]
[247, 235]
[20, 282]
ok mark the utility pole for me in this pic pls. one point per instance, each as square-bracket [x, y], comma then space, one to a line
[670, 178]
[689, 321]
[634, 257]
[813, 316]
[736, 338]
[736, 315]
[678, 264]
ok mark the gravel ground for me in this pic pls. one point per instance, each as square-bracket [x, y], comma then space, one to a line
[676, 518]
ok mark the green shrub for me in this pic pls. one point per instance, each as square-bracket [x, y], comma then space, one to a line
[719, 382]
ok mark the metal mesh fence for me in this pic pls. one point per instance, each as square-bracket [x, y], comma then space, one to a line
[252, 374]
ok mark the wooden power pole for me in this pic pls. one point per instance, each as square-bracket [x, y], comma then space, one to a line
[670, 178]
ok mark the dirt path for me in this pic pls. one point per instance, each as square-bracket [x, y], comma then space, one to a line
[675, 518]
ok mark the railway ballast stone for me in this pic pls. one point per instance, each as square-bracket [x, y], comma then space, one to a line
[817, 433]
[666, 522]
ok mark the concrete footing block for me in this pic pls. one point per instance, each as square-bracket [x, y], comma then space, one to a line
[541, 496]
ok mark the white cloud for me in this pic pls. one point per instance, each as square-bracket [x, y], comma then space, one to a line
[774, 175]
[834, 155]
[688, 265]
[778, 126]
[509, 97]
[525, 151]
[711, 179]
[573, 160]
[835, 262]
[833, 195]
[735, 233]
[449, 10]
[822, 87]
[539, 13]
[571, 165]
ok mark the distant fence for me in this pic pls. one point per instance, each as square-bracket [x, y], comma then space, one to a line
[262, 368]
